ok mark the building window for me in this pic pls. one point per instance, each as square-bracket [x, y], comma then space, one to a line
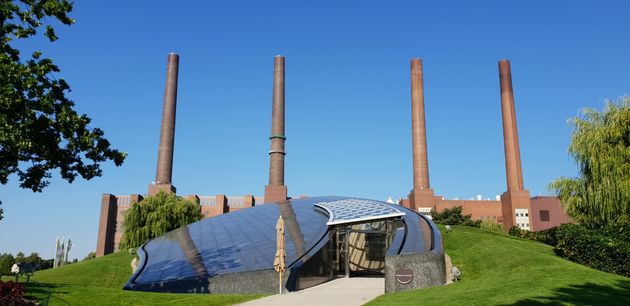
[375, 246]
[544, 215]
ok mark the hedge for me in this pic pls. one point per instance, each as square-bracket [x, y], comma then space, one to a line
[593, 249]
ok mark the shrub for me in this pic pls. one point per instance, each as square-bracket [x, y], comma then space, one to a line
[11, 289]
[471, 223]
[548, 236]
[516, 231]
[12, 294]
[593, 249]
[154, 216]
[90, 255]
[453, 216]
[491, 226]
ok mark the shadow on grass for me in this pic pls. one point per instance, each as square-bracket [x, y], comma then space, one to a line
[586, 294]
[41, 292]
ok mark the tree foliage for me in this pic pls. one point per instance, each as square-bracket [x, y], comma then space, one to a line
[39, 129]
[453, 216]
[155, 215]
[599, 197]
[90, 255]
[6, 262]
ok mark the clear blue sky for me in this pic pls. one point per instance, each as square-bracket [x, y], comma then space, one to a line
[347, 97]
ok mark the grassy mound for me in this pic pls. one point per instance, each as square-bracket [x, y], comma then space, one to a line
[99, 282]
[496, 270]
[503, 270]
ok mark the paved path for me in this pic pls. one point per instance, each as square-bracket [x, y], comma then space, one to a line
[341, 291]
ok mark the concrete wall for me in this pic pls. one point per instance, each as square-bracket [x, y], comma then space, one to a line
[428, 270]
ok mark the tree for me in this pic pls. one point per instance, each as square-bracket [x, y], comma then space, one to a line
[6, 262]
[155, 215]
[39, 129]
[19, 257]
[599, 198]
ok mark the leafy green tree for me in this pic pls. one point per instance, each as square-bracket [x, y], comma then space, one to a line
[39, 129]
[6, 262]
[155, 215]
[599, 198]
[19, 257]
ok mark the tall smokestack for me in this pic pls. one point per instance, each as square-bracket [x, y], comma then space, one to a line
[421, 195]
[418, 128]
[516, 207]
[167, 131]
[276, 190]
[513, 169]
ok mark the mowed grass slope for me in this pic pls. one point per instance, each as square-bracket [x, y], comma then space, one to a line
[503, 270]
[99, 282]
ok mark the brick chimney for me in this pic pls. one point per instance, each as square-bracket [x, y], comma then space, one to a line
[164, 171]
[516, 197]
[276, 190]
[421, 195]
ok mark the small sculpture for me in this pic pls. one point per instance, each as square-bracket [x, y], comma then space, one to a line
[456, 273]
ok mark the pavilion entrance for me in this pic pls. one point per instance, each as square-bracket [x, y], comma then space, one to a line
[360, 249]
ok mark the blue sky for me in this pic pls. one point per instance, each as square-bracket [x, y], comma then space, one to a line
[347, 97]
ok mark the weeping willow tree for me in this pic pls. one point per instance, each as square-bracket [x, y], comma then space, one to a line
[154, 216]
[599, 197]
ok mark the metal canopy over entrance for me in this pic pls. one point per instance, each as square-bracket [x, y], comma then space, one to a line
[357, 210]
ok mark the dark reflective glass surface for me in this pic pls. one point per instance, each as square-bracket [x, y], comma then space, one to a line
[245, 241]
[414, 241]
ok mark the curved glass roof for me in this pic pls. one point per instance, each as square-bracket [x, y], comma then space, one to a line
[245, 240]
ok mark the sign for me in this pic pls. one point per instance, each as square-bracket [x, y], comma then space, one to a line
[404, 276]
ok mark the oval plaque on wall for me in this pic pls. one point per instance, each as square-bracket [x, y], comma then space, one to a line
[404, 276]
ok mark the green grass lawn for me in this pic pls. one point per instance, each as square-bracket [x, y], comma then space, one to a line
[496, 270]
[99, 282]
[503, 270]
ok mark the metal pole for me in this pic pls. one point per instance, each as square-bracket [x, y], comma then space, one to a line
[347, 251]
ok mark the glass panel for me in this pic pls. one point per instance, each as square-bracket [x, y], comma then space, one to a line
[234, 242]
